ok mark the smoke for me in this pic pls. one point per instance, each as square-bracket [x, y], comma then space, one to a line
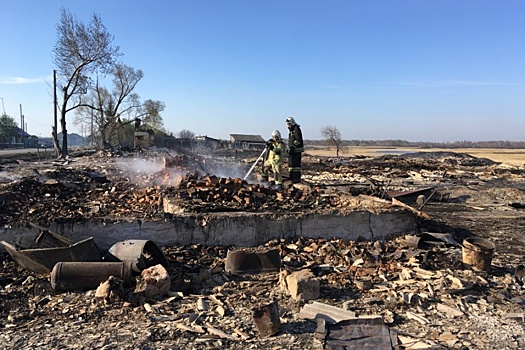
[149, 171]
[218, 164]
[140, 166]
[225, 169]
[168, 168]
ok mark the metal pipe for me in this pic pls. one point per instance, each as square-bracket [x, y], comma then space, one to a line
[88, 275]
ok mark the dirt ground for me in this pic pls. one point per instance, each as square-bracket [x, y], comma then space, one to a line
[515, 157]
[423, 291]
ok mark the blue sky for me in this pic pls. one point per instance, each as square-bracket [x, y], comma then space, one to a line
[378, 69]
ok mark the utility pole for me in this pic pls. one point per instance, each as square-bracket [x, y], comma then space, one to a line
[54, 127]
[21, 118]
[3, 107]
[22, 123]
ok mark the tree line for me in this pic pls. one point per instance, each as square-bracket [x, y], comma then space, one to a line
[332, 137]
[420, 144]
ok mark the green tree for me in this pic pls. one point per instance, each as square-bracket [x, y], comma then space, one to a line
[80, 52]
[150, 114]
[7, 128]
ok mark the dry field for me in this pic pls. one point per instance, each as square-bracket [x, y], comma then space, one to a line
[515, 157]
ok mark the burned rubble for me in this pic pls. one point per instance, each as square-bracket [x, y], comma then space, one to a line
[73, 194]
[411, 291]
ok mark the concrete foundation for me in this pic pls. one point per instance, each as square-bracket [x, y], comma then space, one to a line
[235, 229]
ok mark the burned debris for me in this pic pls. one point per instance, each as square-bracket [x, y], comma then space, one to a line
[51, 248]
[410, 287]
[456, 282]
[197, 193]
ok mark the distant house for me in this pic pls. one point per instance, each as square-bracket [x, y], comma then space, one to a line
[73, 139]
[76, 140]
[21, 135]
[240, 141]
[46, 142]
[168, 141]
[32, 141]
[16, 139]
[208, 142]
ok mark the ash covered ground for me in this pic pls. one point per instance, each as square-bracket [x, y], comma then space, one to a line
[422, 291]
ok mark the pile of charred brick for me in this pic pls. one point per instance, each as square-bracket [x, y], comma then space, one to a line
[212, 194]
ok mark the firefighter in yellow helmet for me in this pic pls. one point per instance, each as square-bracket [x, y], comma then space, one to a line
[274, 161]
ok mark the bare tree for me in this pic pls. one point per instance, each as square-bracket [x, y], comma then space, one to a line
[186, 134]
[107, 109]
[332, 135]
[79, 52]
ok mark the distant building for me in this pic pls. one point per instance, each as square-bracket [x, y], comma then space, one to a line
[17, 139]
[76, 140]
[32, 142]
[46, 141]
[21, 135]
[240, 141]
[204, 142]
[209, 142]
[73, 139]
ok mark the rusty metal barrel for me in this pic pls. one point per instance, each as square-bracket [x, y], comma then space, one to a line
[141, 253]
[67, 276]
[267, 320]
[478, 252]
[252, 260]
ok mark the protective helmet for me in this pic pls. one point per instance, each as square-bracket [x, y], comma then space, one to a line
[290, 120]
[276, 133]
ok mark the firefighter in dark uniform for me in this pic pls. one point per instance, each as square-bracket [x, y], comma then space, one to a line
[295, 148]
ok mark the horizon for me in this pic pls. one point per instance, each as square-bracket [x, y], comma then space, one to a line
[343, 140]
[383, 70]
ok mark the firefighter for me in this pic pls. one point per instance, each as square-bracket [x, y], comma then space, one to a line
[274, 161]
[295, 148]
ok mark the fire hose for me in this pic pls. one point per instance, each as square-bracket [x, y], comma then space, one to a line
[254, 164]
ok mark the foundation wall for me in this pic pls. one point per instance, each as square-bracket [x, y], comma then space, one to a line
[225, 229]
